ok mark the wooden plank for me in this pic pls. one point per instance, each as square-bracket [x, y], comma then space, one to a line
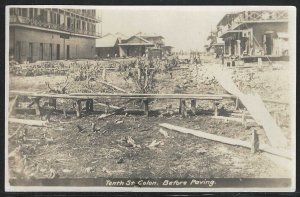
[124, 96]
[39, 123]
[107, 106]
[275, 101]
[226, 140]
[254, 105]
[12, 105]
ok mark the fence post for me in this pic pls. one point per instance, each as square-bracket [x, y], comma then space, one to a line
[193, 106]
[216, 112]
[183, 108]
[254, 142]
[37, 106]
[78, 108]
[146, 107]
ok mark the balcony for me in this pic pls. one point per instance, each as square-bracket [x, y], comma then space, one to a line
[80, 12]
[259, 16]
[252, 17]
[51, 26]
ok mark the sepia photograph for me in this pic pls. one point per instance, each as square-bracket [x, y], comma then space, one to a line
[150, 98]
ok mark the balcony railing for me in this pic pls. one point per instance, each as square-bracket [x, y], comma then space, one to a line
[86, 14]
[254, 16]
[38, 23]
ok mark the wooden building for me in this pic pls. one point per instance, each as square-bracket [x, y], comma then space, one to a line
[255, 34]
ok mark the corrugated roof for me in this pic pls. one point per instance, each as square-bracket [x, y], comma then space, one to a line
[109, 40]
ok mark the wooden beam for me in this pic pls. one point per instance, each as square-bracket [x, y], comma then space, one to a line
[37, 106]
[12, 105]
[237, 103]
[275, 101]
[91, 107]
[124, 96]
[193, 106]
[78, 108]
[182, 109]
[254, 142]
[226, 140]
[146, 107]
[39, 123]
[216, 112]
[107, 107]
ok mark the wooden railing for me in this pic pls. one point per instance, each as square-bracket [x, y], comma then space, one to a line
[38, 23]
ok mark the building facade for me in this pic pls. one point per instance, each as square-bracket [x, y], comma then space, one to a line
[255, 34]
[37, 34]
[140, 44]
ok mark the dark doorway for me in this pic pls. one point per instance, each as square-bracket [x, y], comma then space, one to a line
[128, 52]
[18, 51]
[30, 55]
[41, 51]
[68, 52]
[58, 52]
[269, 44]
[51, 51]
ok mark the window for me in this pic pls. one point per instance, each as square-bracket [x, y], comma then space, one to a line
[12, 11]
[58, 19]
[68, 22]
[78, 24]
[30, 12]
[83, 25]
[24, 12]
[35, 12]
[30, 52]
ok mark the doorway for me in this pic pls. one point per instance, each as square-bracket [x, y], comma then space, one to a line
[269, 44]
[51, 51]
[58, 52]
[68, 52]
[30, 55]
[18, 51]
[41, 51]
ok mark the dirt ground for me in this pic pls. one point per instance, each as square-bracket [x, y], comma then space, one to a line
[60, 150]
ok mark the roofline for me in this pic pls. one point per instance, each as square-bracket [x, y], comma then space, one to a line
[230, 32]
[152, 36]
[136, 44]
[234, 13]
[139, 38]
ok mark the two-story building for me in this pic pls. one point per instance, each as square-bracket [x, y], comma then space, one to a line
[255, 34]
[52, 34]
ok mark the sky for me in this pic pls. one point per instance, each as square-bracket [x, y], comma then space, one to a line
[182, 27]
